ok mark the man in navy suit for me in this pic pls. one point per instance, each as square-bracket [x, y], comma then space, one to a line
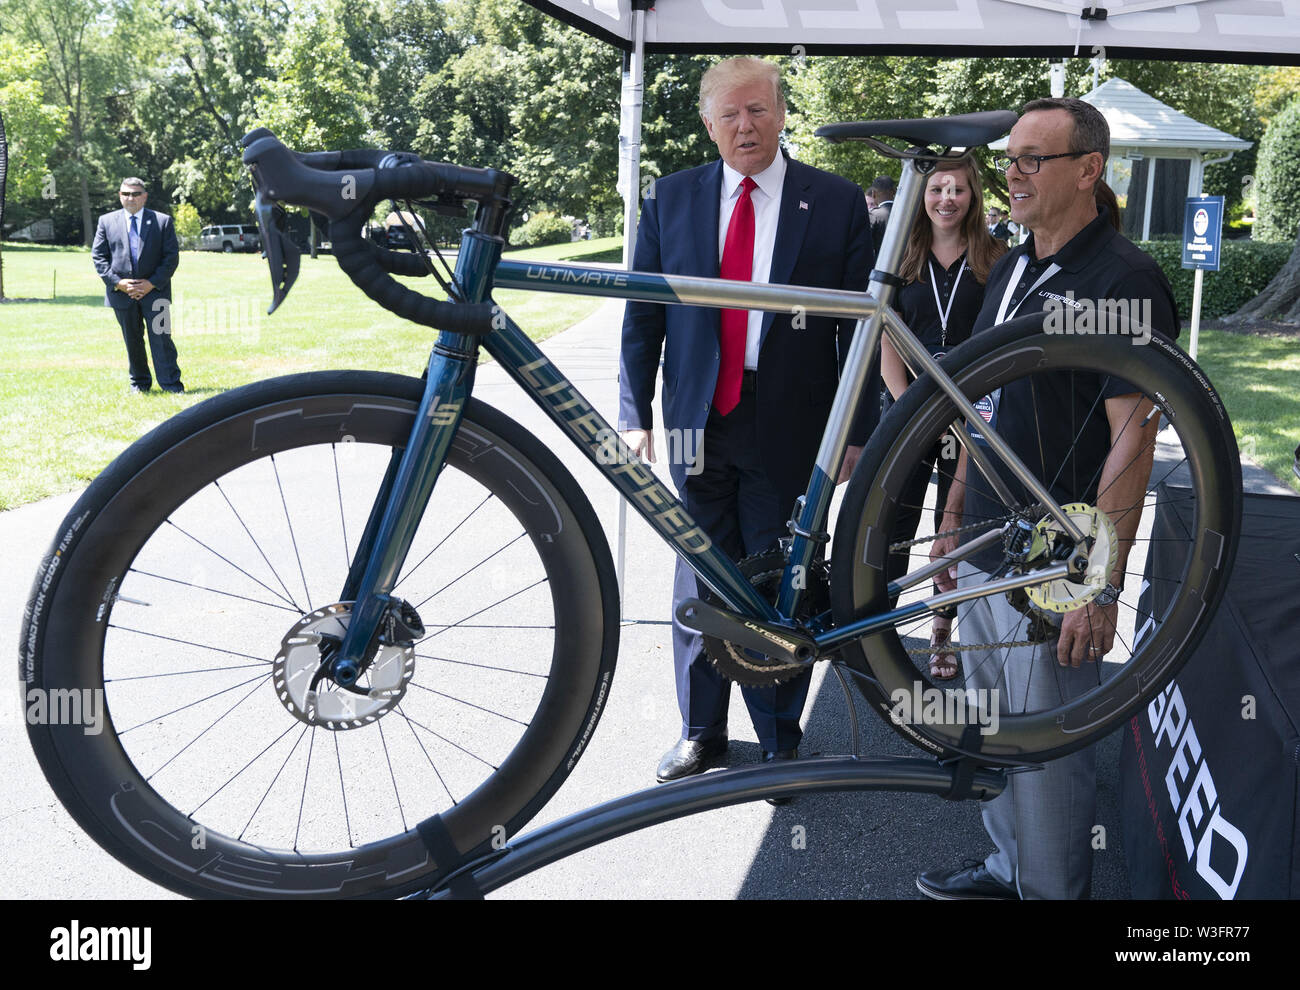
[135, 253]
[746, 394]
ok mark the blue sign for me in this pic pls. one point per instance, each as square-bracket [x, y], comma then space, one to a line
[1202, 232]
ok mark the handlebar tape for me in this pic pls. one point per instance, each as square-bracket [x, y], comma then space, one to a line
[358, 259]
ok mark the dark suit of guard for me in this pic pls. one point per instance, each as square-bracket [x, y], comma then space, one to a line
[159, 254]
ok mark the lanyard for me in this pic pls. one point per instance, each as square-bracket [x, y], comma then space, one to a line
[944, 311]
[1021, 263]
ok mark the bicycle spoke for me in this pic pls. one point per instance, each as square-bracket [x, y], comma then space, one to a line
[158, 718]
[343, 523]
[466, 573]
[292, 538]
[481, 666]
[302, 799]
[287, 758]
[391, 775]
[469, 704]
[415, 736]
[256, 545]
[286, 597]
[486, 499]
[215, 591]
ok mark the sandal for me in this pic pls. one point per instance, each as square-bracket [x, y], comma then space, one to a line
[944, 665]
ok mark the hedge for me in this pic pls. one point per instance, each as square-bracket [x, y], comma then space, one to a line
[1278, 181]
[1245, 268]
[541, 228]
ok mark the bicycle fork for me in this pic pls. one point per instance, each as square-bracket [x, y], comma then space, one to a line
[408, 483]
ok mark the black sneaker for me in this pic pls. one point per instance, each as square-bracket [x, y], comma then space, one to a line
[969, 882]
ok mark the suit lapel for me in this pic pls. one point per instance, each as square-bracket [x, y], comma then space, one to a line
[791, 226]
[707, 197]
[146, 229]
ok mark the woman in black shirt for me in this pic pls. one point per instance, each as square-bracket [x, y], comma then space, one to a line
[945, 265]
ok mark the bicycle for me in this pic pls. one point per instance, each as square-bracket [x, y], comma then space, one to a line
[206, 776]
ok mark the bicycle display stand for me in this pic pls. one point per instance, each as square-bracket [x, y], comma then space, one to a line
[666, 802]
[955, 780]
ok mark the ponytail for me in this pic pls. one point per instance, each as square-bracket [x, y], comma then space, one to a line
[1108, 204]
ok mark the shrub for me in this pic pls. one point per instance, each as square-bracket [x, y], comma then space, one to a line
[1278, 182]
[1245, 268]
[185, 219]
[542, 228]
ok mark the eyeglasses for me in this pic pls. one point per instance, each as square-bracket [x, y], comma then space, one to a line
[1029, 164]
[130, 195]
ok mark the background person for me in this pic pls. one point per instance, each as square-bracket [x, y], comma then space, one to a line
[946, 263]
[759, 386]
[135, 254]
[1087, 441]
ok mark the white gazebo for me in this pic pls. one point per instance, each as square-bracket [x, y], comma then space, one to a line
[1144, 132]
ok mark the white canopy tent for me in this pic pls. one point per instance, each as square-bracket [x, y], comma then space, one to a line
[1259, 31]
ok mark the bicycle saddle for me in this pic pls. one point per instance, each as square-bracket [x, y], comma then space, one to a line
[965, 130]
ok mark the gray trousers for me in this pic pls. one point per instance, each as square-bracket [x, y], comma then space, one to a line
[1042, 822]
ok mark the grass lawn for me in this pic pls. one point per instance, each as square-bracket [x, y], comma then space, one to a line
[579, 252]
[66, 409]
[1259, 380]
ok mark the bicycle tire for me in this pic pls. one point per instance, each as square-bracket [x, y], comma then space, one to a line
[1209, 459]
[87, 628]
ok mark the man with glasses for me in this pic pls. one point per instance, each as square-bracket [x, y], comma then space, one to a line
[1063, 430]
[135, 253]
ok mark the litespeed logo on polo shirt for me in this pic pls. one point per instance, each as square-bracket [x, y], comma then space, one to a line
[1067, 314]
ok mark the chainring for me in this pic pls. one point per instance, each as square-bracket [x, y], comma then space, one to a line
[748, 667]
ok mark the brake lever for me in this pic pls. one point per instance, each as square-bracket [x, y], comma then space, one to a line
[282, 256]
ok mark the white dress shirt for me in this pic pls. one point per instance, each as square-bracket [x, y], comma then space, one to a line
[767, 209]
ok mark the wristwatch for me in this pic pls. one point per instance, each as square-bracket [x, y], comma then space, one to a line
[1108, 595]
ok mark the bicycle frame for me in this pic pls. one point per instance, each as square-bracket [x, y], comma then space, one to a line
[409, 482]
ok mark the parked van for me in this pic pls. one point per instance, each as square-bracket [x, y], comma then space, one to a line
[230, 237]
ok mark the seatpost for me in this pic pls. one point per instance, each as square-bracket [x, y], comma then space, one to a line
[911, 188]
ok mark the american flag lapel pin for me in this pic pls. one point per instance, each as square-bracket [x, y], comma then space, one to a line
[803, 205]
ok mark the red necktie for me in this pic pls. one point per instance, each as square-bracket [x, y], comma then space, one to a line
[738, 264]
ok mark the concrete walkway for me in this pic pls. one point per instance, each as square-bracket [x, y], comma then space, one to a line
[854, 845]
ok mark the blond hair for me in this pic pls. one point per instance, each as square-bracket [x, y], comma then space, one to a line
[733, 72]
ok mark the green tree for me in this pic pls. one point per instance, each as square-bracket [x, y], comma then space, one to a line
[200, 99]
[79, 70]
[1279, 177]
[31, 127]
[318, 95]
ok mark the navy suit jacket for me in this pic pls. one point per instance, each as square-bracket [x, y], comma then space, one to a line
[822, 239]
[159, 256]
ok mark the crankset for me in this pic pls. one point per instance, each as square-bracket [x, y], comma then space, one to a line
[748, 666]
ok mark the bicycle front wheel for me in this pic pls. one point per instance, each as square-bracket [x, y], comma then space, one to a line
[174, 607]
[1159, 622]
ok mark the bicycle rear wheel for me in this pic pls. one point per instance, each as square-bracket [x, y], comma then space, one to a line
[1157, 627]
[186, 577]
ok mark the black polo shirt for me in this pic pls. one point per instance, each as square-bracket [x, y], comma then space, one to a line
[1058, 427]
[917, 305]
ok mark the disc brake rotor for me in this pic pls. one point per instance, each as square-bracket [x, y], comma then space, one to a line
[328, 705]
[1065, 596]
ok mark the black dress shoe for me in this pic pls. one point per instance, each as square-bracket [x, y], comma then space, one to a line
[689, 757]
[780, 754]
[969, 882]
[177, 389]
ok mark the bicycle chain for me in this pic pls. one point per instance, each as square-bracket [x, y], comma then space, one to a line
[954, 647]
[957, 648]
[987, 524]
